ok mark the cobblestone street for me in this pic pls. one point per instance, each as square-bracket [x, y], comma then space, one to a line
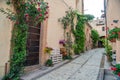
[85, 67]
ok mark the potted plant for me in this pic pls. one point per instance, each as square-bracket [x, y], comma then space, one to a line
[113, 40]
[49, 62]
[112, 37]
[116, 71]
[114, 34]
[119, 34]
[63, 51]
[48, 50]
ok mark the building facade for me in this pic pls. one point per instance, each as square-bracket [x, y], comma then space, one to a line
[112, 13]
[88, 39]
[51, 32]
[5, 38]
[99, 25]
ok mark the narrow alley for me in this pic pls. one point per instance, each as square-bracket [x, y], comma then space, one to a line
[59, 40]
[85, 67]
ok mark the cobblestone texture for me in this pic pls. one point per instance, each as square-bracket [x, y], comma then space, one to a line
[85, 67]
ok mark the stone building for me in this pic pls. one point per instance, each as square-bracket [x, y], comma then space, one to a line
[88, 39]
[99, 26]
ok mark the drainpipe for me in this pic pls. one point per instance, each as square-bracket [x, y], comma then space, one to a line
[105, 7]
[82, 6]
[105, 13]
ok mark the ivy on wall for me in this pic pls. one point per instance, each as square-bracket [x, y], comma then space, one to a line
[95, 37]
[26, 14]
[79, 34]
[68, 23]
[77, 31]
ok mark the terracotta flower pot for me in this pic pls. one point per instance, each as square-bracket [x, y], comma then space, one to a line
[63, 51]
[113, 40]
[119, 35]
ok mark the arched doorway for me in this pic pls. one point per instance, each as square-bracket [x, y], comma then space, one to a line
[100, 42]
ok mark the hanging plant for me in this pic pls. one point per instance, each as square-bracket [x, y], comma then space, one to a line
[26, 12]
[114, 34]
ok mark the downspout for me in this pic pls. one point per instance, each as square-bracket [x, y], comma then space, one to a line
[82, 6]
[105, 13]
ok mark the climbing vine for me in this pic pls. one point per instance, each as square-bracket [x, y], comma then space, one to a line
[27, 13]
[68, 26]
[77, 31]
[95, 37]
[79, 34]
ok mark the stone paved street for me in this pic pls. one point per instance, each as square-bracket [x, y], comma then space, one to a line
[85, 67]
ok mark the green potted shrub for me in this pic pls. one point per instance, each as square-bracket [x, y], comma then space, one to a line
[114, 34]
[49, 62]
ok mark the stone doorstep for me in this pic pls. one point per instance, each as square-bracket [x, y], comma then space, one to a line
[44, 70]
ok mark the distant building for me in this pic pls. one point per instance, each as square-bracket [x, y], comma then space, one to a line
[99, 25]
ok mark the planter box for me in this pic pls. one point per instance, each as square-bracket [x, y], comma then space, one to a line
[118, 35]
[113, 40]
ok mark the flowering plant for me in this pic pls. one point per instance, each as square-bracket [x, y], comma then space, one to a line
[31, 11]
[48, 50]
[116, 69]
[114, 34]
[62, 42]
[26, 13]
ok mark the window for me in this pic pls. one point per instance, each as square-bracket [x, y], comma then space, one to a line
[103, 28]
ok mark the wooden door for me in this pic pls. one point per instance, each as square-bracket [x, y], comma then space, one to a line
[33, 42]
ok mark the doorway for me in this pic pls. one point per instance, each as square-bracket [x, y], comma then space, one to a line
[33, 41]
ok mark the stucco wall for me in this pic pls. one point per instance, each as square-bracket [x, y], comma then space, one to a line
[80, 6]
[99, 27]
[5, 37]
[55, 28]
[113, 13]
[88, 40]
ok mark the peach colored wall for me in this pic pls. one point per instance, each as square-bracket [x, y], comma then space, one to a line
[80, 6]
[113, 13]
[98, 27]
[88, 40]
[55, 28]
[5, 37]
